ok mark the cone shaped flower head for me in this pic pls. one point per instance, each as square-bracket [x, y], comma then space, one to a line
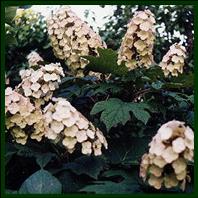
[137, 44]
[166, 163]
[71, 38]
[22, 118]
[173, 61]
[70, 128]
[39, 84]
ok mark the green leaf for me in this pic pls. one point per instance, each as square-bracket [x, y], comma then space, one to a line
[41, 182]
[115, 111]
[43, 160]
[71, 183]
[10, 151]
[129, 184]
[105, 63]
[88, 165]
[126, 151]
[105, 87]
[10, 39]
[157, 85]
[182, 81]
[8, 191]
[10, 13]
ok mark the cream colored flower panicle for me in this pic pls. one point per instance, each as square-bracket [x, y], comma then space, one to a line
[20, 115]
[68, 126]
[40, 84]
[72, 38]
[171, 149]
[173, 62]
[137, 44]
[34, 59]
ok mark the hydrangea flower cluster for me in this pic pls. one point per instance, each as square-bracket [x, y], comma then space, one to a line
[65, 124]
[72, 38]
[34, 59]
[137, 44]
[170, 151]
[40, 84]
[21, 114]
[173, 62]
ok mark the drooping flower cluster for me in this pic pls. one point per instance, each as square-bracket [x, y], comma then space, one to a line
[137, 45]
[66, 124]
[34, 59]
[170, 151]
[41, 83]
[20, 115]
[72, 38]
[173, 62]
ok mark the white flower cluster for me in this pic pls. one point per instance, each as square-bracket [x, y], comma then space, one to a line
[66, 124]
[137, 45]
[72, 38]
[41, 83]
[21, 114]
[173, 62]
[170, 151]
[34, 59]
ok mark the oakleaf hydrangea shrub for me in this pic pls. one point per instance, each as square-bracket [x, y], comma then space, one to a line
[51, 107]
[171, 149]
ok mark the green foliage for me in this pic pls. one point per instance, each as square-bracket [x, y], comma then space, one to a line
[10, 13]
[105, 63]
[41, 182]
[115, 111]
[90, 166]
[122, 152]
[127, 183]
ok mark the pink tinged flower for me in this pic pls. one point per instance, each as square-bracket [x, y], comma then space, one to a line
[86, 148]
[189, 134]
[47, 77]
[90, 133]
[157, 148]
[71, 131]
[145, 26]
[82, 123]
[178, 145]
[27, 92]
[50, 134]
[69, 142]
[45, 88]
[13, 108]
[35, 86]
[8, 91]
[56, 126]
[69, 121]
[169, 155]
[165, 132]
[81, 136]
